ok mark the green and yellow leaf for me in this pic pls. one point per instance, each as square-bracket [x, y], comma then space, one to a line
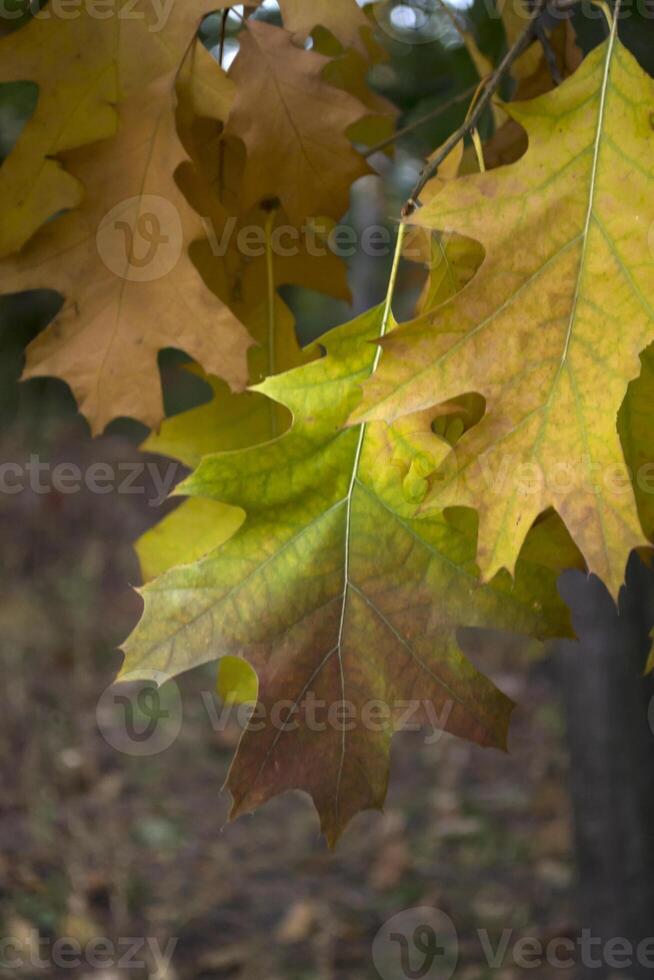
[227, 422]
[333, 591]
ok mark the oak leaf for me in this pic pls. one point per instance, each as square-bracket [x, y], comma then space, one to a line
[451, 260]
[332, 590]
[343, 18]
[211, 179]
[72, 63]
[293, 124]
[229, 421]
[86, 67]
[121, 260]
[550, 329]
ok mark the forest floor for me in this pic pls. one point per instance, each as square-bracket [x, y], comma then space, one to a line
[98, 843]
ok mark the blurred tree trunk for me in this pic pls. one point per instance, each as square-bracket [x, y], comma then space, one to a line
[610, 712]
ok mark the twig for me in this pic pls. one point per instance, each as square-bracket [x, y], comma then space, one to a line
[491, 86]
[223, 31]
[549, 53]
[417, 123]
[221, 145]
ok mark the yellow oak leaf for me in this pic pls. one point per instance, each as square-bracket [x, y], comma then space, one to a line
[73, 65]
[550, 329]
[83, 65]
[451, 260]
[121, 260]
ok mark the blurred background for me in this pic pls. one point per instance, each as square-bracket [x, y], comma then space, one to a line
[99, 841]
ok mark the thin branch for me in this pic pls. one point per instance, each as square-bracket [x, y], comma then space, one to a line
[549, 53]
[491, 86]
[223, 32]
[417, 123]
[221, 145]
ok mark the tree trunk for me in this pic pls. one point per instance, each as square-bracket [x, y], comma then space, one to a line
[610, 713]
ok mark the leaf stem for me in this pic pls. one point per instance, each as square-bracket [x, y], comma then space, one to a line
[270, 285]
[223, 32]
[479, 150]
[386, 315]
[392, 281]
[606, 10]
